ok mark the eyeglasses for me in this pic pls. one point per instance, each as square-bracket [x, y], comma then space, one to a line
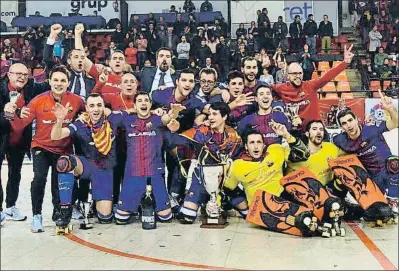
[295, 73]
[204, 82]
[20, 74]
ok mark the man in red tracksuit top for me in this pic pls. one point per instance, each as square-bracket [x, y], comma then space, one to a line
[45, 151]
[304, 94]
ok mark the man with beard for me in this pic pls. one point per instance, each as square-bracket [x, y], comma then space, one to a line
[368, 143]
[159, 77]
[116, 62]
[18, 89]
[262, 119]
[80, 84]
[304, 94]
[144, 137]
[320, 153]
[249, 67]
[46, 151]
[213, 145]
[94, 134]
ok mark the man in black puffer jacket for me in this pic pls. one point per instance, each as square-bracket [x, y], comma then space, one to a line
[17, 88]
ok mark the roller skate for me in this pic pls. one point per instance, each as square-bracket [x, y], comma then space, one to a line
[378, 215]
[62, 223]
[333, 213]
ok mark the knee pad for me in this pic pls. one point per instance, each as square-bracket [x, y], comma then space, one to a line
[243, 213]
[121, 219]
[165, 218]
[235, 196]
[392, 164]
[186, 215]
[66, 163]
[105, 219]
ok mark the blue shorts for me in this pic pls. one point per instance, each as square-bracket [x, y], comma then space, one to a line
[101, 179]
[387, 181]
[134, 187]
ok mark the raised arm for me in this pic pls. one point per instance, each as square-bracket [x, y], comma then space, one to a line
[57, 131]
[387, 104]
[79, 28]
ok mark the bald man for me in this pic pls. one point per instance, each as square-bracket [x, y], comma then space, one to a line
[297, 93]
[20, 90]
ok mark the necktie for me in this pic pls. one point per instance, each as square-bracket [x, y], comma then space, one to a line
[162, 79]
[78, 86]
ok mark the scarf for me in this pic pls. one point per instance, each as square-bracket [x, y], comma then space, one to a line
[101, 133]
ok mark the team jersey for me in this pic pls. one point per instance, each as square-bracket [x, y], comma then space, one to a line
[111, 86]
[240, 112]
[209, 146]
[82, 137]
[317, 163]
[252, 89]
[163, 98]
[41, 109]
[261, 174]
[118, 101]
[305, 96]
[144, 138]
[370, 147]
[261, 124]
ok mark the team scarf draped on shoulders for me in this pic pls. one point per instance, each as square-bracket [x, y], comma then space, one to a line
[101, 133]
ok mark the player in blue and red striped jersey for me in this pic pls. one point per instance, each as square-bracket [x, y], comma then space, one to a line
[260, 121]
[144, 137]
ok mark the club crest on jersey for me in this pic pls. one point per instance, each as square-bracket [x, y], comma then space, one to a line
[70, 109]
[302, 94]
[149, 125]
[363, 144]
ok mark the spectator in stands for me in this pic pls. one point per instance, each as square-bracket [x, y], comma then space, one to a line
[192, 23]
[208, 32]
[211, 43]
[393, 90]
[370, 72]
[238, 56]
[172, 9]
[279, 56]
[7, 49]
[68, 44]
[264, 58]
[131, 55]
[281, 75]
[142, 44]
[37, 14]
[151, 30]
[38, 44]
[183, 53]
[375, 40]
[4, 65]
[384, 24]
[253, 30]
[161, 22]
[188, 34]
[202, 53]
[393, 46]
[208, 64]
[135, 24]
[252, 45]
[155, 44]
[223, 26]
[396, 27]
[310, 31]
[385, 71]
[57, 51]
[188, 6]
[150, 20]
[27, 54]
[280, 31]
[241, 31]
[332, 116]
[196, 41]
[178, 25]
[296, 34]
[307, 63]
[170, 40]
[266, 36]
[366, 24]
[206, 6]
[223, 58]
[111, 49]
[262, 17]
[380, 57]
[326, 32]
[266, 77]
[352, 7]
[194, 67]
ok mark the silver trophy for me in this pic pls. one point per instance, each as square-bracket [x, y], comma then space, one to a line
[14, 95]
[86, 208]
[292, 111]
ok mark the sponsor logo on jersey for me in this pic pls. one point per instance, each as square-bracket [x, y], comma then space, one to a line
[151, 133]
[67, 121]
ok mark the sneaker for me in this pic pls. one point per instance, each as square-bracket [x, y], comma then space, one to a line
[13, 213]
[2, 218]
[76, 212]
[37, 225]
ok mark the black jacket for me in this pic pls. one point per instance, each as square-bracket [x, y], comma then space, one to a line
[280, 30]
[296, 30]
[30, 90]
[223, 53]
[326, 30]
[310, 28]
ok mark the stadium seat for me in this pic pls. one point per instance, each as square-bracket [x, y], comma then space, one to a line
[315, 75]
[331, 95]
[323, 66]
[375, 85]
[376, 94]
[336, 63]
[343, 86]
[341, 77]
[347, 95]
[329, 87]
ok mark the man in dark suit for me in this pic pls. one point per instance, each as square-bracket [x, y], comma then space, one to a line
[161, 76]
[80, 84]
[18, 90]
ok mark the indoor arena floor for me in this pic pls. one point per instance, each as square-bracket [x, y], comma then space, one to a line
[174, 246]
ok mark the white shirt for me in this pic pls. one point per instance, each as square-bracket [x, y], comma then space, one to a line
[167, 79]
[82, 84]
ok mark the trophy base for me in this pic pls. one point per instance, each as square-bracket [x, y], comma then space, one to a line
[214, 223]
